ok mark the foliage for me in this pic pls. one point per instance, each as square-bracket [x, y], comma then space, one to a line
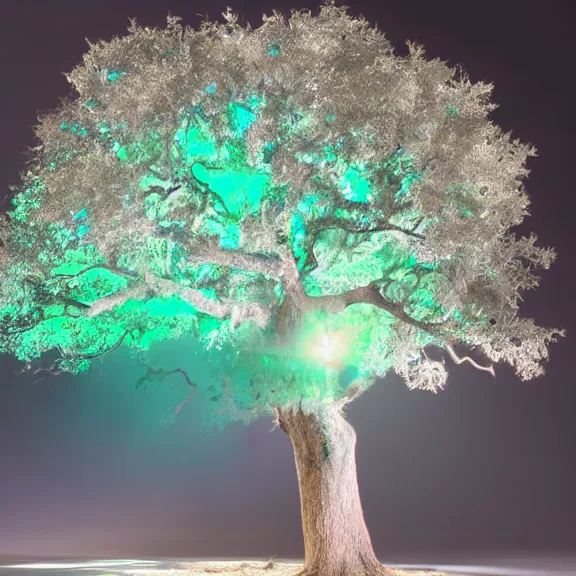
[313, 208]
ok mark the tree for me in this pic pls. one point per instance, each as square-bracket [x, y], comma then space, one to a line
[314, 209]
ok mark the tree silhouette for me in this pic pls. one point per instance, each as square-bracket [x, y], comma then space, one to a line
[314, 209]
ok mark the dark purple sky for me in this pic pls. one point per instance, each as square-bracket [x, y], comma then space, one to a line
[489, 464]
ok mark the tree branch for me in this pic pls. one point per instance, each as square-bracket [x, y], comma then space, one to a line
[160, 374]
[257, 263]
[55, 370]
[194, 297]
[236, 311]
[109, 302]
[119, 271]
[459, 360]
[369, 294]
[327, 223]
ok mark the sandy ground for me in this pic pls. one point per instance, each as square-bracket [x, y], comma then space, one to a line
[269, 568]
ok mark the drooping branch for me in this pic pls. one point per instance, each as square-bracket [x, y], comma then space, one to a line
[160, 374]
[52, 370]
[55, 369]
[458, 360]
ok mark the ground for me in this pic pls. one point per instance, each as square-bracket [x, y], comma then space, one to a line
[254, 568]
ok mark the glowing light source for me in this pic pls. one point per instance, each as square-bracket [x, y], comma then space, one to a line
[332, 348]
[327, 347]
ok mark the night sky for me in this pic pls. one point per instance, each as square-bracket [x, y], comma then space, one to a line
[86, 468]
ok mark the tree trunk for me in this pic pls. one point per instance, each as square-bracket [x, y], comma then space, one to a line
[336, 540]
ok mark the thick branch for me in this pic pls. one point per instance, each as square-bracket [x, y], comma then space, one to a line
[369, 294]
[194, 297]
[109, 302]
[237, 312]
[257, 263]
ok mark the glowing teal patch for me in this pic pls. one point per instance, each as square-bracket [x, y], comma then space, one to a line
[112, 76]
[273, 49]
[356, 187]
[82, 231]
[83, 214]
[241, 117]
[297, 236]
[26, 201]
[452, 111]
[268, 152]
[200, 173]
[74, 128]
[407, 183]
[196, 143]
[121, 152]
[230, 239]
[241, 191]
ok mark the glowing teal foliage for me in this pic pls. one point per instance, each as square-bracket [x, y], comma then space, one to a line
[114, 75]
[82, 231]
[273, 49]
[452, 111]
[82, 215]
[230, 238]
[241, 117]
[27, 200]
[356, 187]
[74, 128]
[330, 351]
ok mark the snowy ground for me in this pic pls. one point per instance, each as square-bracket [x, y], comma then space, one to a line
[163, 568]
[521, 567]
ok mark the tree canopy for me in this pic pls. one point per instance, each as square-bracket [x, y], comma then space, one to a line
[313, 208]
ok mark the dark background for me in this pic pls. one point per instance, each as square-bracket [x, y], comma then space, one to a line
[488, 465]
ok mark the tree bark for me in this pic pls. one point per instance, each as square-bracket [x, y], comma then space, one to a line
[336, 539]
